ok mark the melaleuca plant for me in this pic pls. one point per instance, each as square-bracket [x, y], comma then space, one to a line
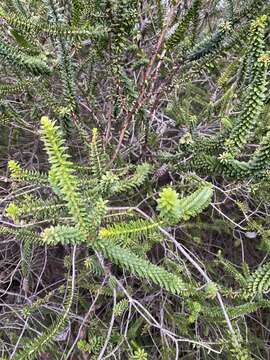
[226, 152]
[88, 218]
[84, 218]
[109, 248]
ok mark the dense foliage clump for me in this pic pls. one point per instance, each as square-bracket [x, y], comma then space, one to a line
[135, 179]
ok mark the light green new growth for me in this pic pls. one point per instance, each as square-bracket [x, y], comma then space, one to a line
[140, 354]
[133, 229]
[173, 209]
[120, 307]
[62, 170]
[21, 175]
[169, 205]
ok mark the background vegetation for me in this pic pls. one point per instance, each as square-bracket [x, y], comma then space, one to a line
[135, 169]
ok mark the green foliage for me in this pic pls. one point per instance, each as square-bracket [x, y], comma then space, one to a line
[257, 46]
[120, 307]
[179, 34]
[140, 267]
[30, 64]
[97, 156]
[9, 89]
[62, 178]
[254, 99]
[18, 174]
[139, 354]
[261, 157]
[76, 12]
[33, 28]
[93, 346]
[160, 109]
[193, 204]
[35, 347]
[61, 173]
[233, 271]
[217, 154]
[237, 350]
[123, 258]
[258, 283]
[27, 248]
[172, 209]
[139, 176]
[62, 234]
[169, 205]
[210, 44]
[21, 234]
[13, 211]
[129, 230]
[215, 314]
[121, 16]
[37, 208]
